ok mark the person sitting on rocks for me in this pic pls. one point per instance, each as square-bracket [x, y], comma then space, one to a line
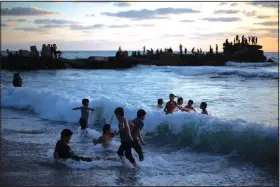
[186, 51]
[139, 54]
[160, 51]
[17, 81]
[171, 50]
[9, 53]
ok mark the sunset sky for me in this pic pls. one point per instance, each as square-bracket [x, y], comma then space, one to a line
[108, 25]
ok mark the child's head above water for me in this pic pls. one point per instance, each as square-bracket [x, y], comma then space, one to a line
[190, 102]
[107, 129]
[203, 105]
[180, 100]
[66, 135]
[85, 102]
[160, 101]
[141, 114]
[171, 97]
[119, 112]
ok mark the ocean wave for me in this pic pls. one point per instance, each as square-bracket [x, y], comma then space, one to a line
[205, 70]
[201, 132]
[247, 64]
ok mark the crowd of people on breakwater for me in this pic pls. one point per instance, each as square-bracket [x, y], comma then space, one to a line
[130, 131]
[253, 40]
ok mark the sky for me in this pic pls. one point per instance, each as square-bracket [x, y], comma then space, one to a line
[103, 26]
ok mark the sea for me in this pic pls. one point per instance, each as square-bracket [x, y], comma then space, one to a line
[236, 144]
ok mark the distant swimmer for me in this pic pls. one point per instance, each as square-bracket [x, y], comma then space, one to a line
[136, 133]
[189, 107]
[107, 136]
[63, 151]
[160, 103]
[84, 113]
[17, 81]
[125, 136]
[203, 107]
[170, 105]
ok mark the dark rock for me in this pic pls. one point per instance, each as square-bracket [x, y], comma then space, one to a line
[270, 60]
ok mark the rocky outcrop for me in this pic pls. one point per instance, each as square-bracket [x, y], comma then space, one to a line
[46, 52]
[23, 53]
[34, 52]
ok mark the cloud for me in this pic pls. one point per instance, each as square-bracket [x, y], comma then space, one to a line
[4, 25]
[187, 21]
[26, 11]
[264, 4]
[226, 11]
[54, 21]
[122, 4]
[249, 14]
[52, 26]
[223, 3]
[16, 20]
[150, 14]
[268, 23]
[90, 15]
[263, 17]
[234, 4]
[228, 19]
[81, 27]
[118, 26]
[268, 30]
[145, 25]
[29, 29]
[173, 35]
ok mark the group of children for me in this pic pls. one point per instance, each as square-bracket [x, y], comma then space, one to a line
[129, 131]
[172, 106]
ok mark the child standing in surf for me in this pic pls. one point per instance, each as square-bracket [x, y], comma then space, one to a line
[136, 133]
[125, 135]
[84, 114]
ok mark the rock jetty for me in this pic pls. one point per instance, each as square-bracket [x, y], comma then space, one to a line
[50, 58]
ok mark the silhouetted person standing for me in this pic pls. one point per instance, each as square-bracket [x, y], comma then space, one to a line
[144, 50]
[237, 38]
[234, 40]
[249, 39]
[253, 40]
[200, 50]
[256, 40]
[181, 49]
[192, 50]
[186, 51]
[216, 48]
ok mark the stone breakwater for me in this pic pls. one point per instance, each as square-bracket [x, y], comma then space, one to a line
[163, 59]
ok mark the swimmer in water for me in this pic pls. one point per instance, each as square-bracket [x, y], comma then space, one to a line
[203, 107]
[170, 105]
[107, 136]
[160, 103]
[189, 106]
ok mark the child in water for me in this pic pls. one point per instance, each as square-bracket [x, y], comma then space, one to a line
[180, 102]
[84, 113]
[63, 151]
[203, 107]
[107, 136]
[160, 103]
[136, 133]
[170, 105]
[125, 135]
[189, 107]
